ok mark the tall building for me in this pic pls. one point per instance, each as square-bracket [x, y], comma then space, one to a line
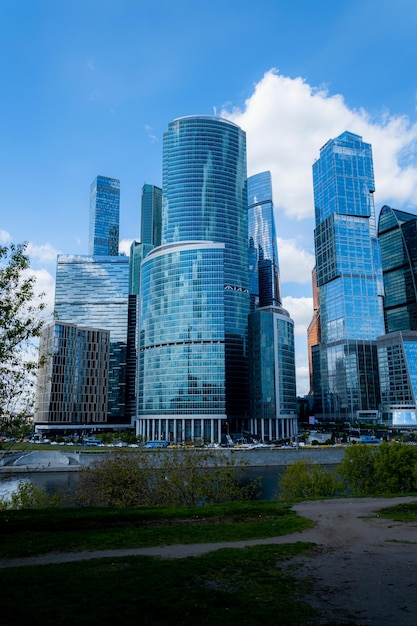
[264, 268]
[397, 350]
[272, 383]
[151, 215]
[92, 291]
[313, 330]
[72, 384]
[195, 287]
[104, 216]
[349, 278]
[397, 235]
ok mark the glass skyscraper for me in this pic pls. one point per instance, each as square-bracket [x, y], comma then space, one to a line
[104, 216]
[397, 235]
[349, 278]
[272, 388]
[151, 215]
[263, 261]
[204, 213]
[92, 291]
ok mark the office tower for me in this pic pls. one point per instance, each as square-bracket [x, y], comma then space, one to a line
[397, 235]
[397, 358]
[104, 216]
[313, 330]
[397, 351]
[151, 215]
[349, 278]
[263, 262]
[71, 389]
[195, 287]
[272, 385]
[93, 292]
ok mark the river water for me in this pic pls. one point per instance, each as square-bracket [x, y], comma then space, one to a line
[65, 482]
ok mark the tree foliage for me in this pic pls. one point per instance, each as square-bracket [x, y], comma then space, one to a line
[20, 322]
[161, 478]
[29, 496]
[306, 481]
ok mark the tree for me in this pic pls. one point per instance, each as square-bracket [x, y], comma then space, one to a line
[20, 322]
[161, 478]
[306, 481]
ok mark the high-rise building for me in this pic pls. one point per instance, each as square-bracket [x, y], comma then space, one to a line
[397, 350]
[204, 216]
[272, 384]
[313, 330]
[72, 383]
[349, 278]
[92, 291]
[264, 267]
[151, 215]
[397, 235]
[104, 216]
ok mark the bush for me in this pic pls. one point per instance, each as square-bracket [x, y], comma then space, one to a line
[28, 496]
[357, 469]
[303, 481]
[161, 478]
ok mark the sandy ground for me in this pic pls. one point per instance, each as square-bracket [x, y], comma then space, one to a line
[364, 567]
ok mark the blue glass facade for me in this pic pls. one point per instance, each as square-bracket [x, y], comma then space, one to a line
[151, 215]
[93, 292]
[397, 235]
[397, 355]
[263, 253]
[182, 339]
[349, 278]
[204, 186]
[104, 216]
[272, 381]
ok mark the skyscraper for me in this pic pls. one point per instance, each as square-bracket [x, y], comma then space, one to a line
[151, 215]
[272, 388]
[104, 216]
[397, 235]
[349, 278]
[264, 269]
[93, 292]
[204, 224]
[72, 383]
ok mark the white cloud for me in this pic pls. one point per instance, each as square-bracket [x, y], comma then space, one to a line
[90, 64]
[45, 284]
[124, 246]
[44, 253]
[287, 121]
[151, 135]
[295, 263]
[5, 237]
[301, 311]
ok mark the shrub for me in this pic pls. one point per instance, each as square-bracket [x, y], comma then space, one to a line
[161, 478]
[303, 480]
[28, 496]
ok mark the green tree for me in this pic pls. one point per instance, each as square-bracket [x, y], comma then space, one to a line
[161, 478]
[357, 469]
[20, 322]
[306, 481]
[394, 467]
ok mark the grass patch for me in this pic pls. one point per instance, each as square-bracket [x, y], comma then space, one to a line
[251, 586]
[32, 532]
[406, 512]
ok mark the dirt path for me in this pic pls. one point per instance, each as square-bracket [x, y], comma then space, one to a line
[364, 568]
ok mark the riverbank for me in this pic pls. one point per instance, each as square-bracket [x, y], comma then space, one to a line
[21, 462]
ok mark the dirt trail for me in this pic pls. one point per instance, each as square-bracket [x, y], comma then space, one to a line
[364, 568]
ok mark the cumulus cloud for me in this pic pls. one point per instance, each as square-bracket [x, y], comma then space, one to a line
[5, 237]
[45, 287]
[287, 121]
[295, 263]
[45, 253]
[124, 246]
[301, 311]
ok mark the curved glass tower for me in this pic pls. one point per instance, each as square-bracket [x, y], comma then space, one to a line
[195, 287]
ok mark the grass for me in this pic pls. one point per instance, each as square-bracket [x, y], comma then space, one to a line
[406, 512]
[32, 532]
[251, 586]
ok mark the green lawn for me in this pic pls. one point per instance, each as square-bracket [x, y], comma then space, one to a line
[31, 532]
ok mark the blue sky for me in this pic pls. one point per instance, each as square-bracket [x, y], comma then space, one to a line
[89, 87]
